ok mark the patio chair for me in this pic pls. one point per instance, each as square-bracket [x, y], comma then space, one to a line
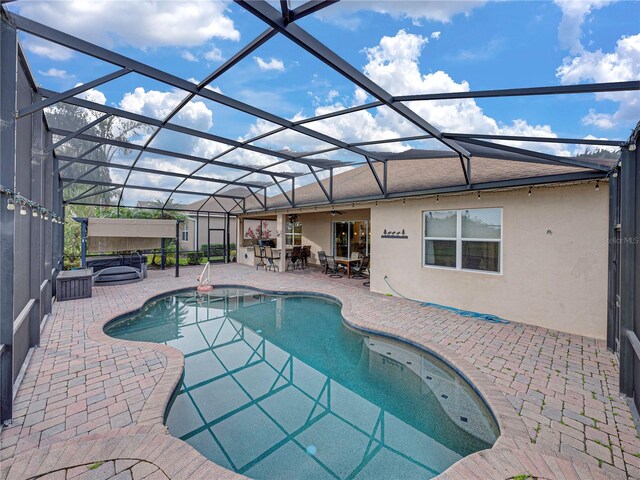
[329, 265]
[360, 268]
[258, 252]
[306, 254]
[295, 258]
[272, 258]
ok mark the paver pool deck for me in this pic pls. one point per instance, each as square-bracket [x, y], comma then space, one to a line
[90, 406]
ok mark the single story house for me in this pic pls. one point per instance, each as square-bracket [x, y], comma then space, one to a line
[535, 253]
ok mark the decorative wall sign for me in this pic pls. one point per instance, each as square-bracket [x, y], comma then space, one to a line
[393, 234]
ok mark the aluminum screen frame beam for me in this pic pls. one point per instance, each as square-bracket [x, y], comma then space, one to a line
[84, 154]
[227, 65]
[384, 99]
[59, 97]
[142, 187]
[8, 88]
[152, 171]
[381, 185]
[629, 262]
[81, 130]
[169, 126]
[551, 159]
[525, 92]
[166, 153]
[462, 188]
[523, 138]
[284, 192]
[308, 8]
[328, 194]
[74, 43]
[293, 32]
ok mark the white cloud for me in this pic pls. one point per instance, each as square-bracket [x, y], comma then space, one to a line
[141, 24]
[156, 104]
[436, 35]
[341, 14]
[394, 65]
[54, 72]
[574, 12]
[194, 115]
[623, 64]
[360, 96]
[601, 120]
[214, 55]
[480, 52]
[188, 56]
[273, 64]
[50, 50]
[92, 95]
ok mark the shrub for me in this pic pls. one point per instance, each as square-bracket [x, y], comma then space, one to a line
[193, 258]
[215, 247]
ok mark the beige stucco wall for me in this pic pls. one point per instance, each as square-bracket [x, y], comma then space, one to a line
[556, 280]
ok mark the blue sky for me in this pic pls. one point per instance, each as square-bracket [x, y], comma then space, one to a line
[407, 47]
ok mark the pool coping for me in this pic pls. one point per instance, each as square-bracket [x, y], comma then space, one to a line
[512, 454]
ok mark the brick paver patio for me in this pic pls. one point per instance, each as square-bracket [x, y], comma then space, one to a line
[91, 407]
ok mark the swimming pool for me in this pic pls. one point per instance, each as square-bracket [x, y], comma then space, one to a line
[277, 386]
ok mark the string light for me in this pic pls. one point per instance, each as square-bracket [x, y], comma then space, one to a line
[437, 198]
[404, 202]
[529, 191]
[478, 195]
[14, 199]
[597, 186]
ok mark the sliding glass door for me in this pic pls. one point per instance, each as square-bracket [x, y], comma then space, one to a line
[351, 239]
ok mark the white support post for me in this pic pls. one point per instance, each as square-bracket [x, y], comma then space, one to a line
[281, 227]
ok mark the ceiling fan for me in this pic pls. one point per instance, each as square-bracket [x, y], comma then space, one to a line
[333, 213]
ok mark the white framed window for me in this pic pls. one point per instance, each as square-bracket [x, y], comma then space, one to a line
[185, 235]
[469, 239]
[293, 236]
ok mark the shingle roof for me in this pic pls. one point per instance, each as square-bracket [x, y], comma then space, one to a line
[430, 172]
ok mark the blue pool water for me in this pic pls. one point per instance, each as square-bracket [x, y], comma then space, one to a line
[278, 387]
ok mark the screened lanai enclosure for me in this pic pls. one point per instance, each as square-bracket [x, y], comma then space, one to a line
[71, 148]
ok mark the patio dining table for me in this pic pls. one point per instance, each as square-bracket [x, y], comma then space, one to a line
[278, 252]
[347, 262]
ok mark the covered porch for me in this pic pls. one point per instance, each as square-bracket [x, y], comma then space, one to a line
[342, 233]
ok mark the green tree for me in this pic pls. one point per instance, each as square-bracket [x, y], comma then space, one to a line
[600, 153]
[71, 118]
